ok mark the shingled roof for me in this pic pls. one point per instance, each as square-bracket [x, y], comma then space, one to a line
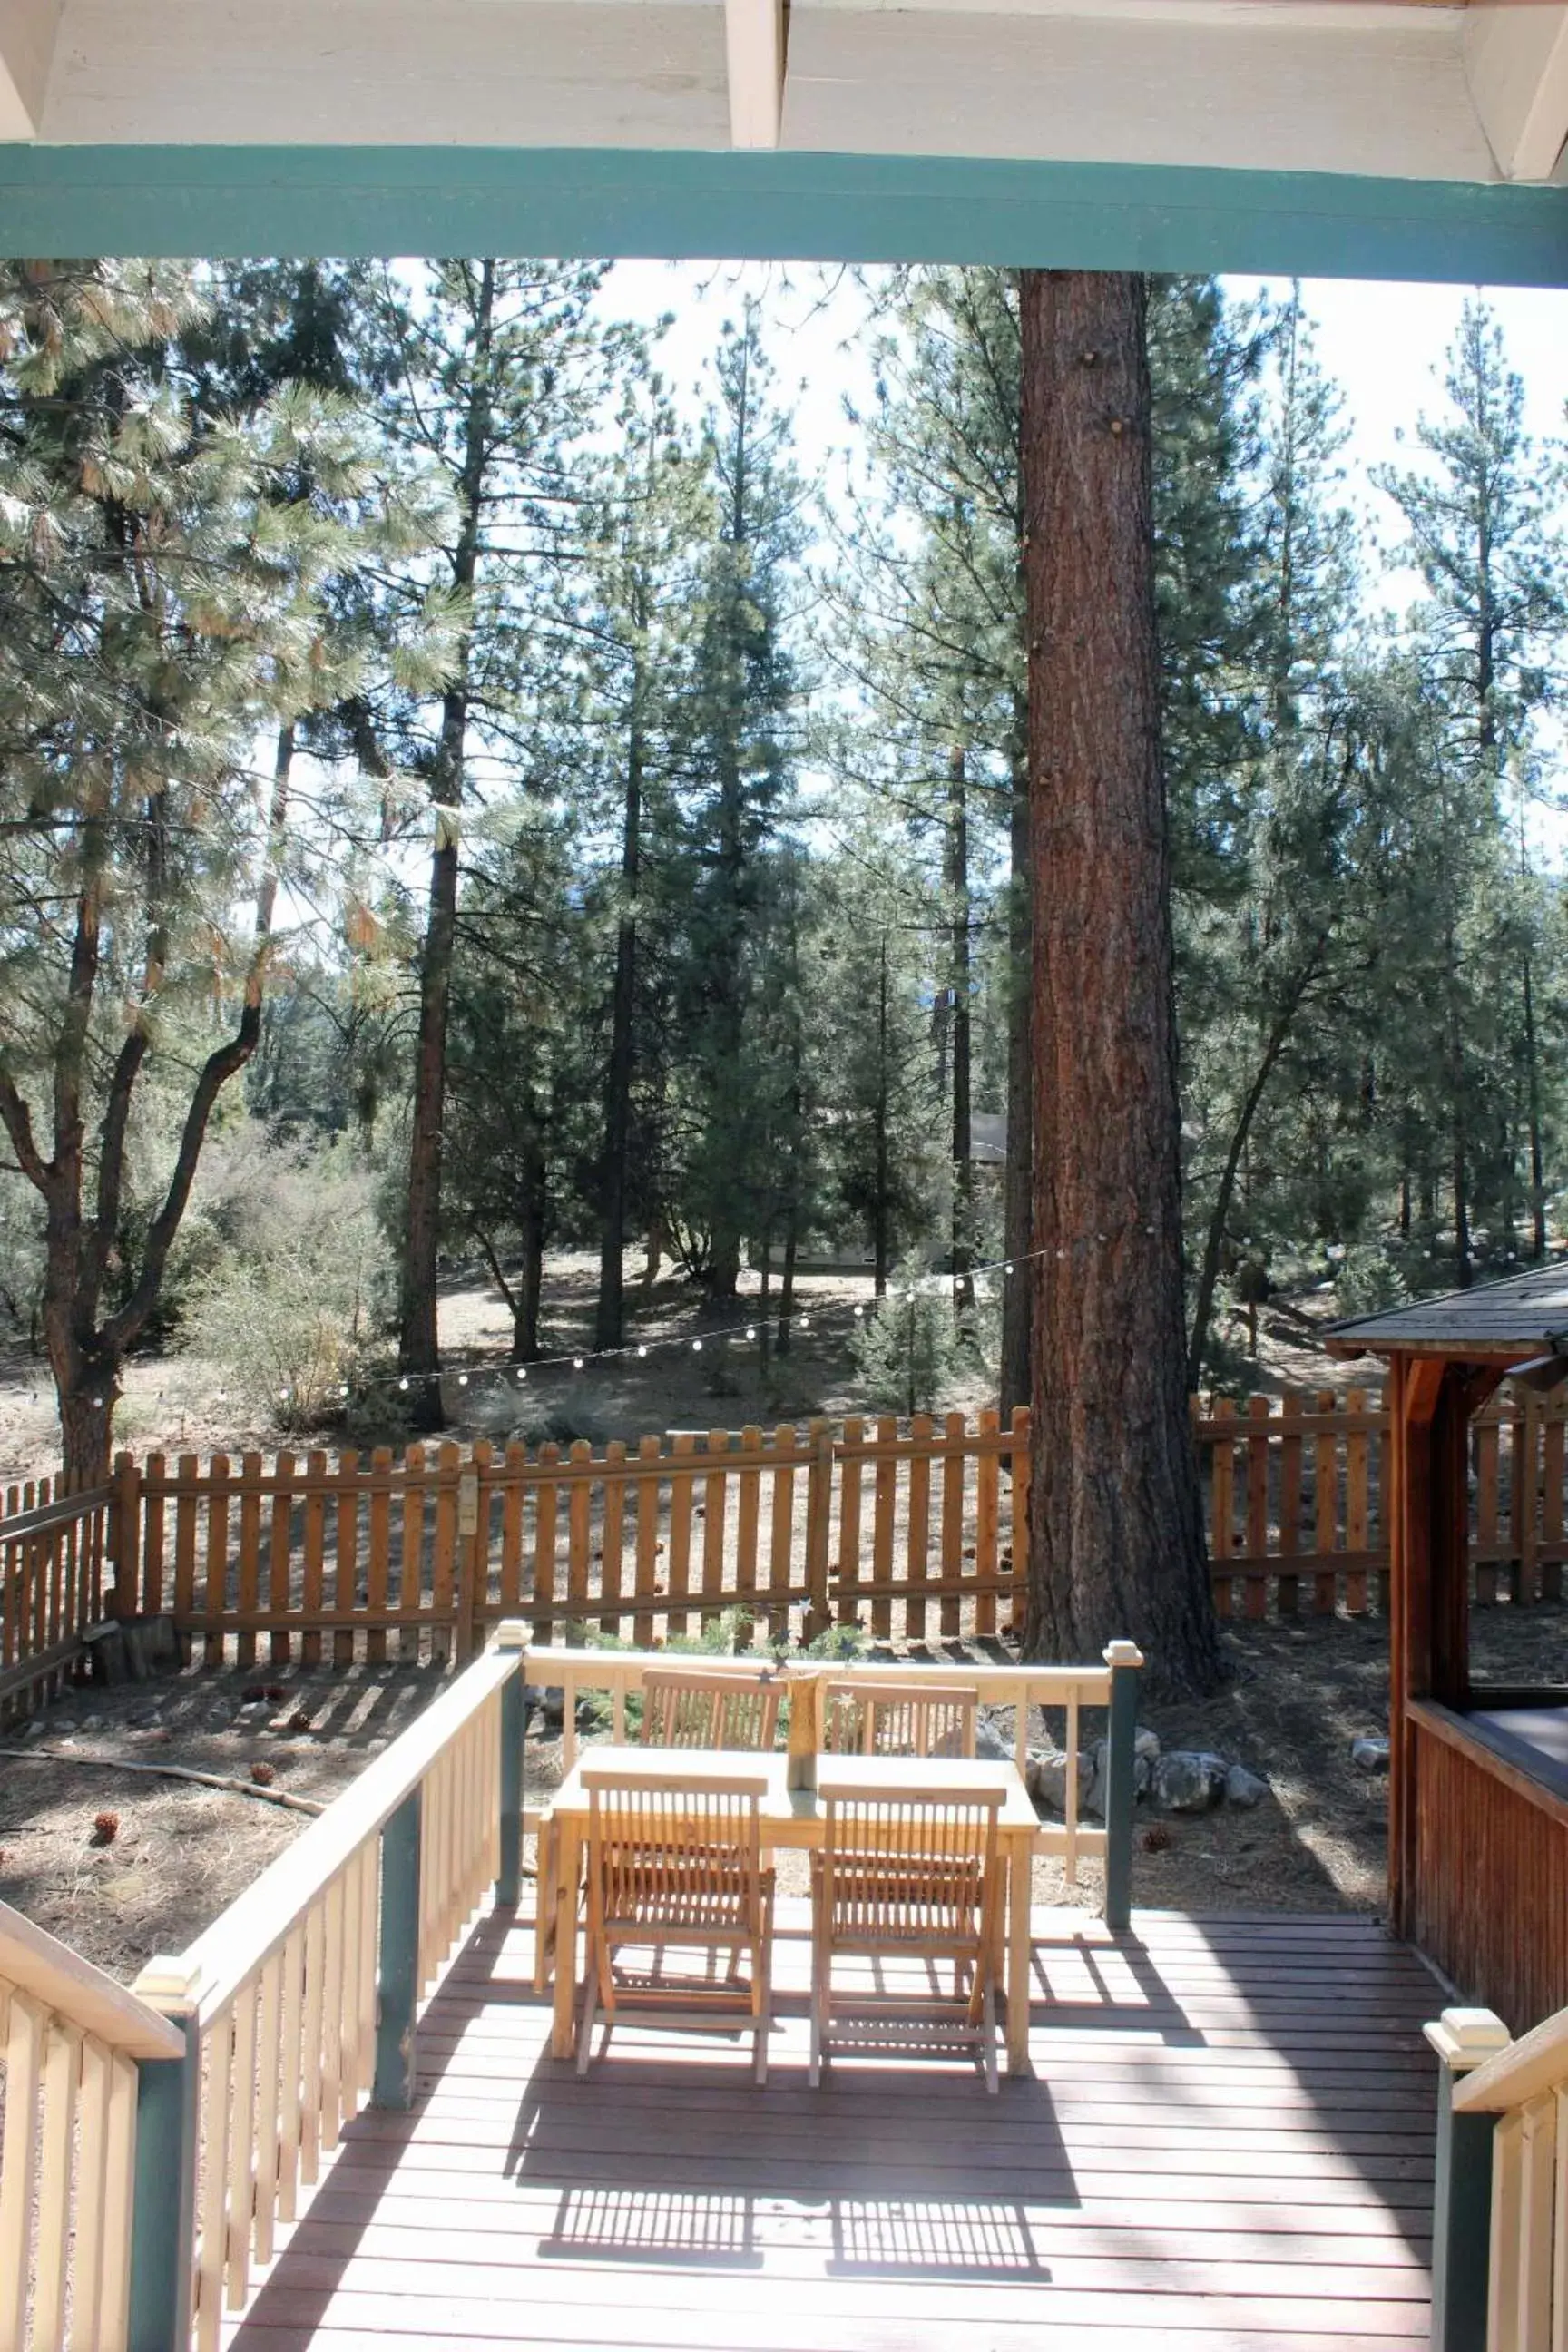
[1525, 1313]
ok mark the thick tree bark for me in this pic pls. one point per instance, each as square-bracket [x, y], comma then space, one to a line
[418, 1344]
[882, 1221]
[962, 1054]
[1018, 1288]
[1116, 1526]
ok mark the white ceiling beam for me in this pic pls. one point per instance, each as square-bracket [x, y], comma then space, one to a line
[754, 51]
[26, 52]
[1516, 62]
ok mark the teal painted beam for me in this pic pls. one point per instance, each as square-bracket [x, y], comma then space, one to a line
[601, 200]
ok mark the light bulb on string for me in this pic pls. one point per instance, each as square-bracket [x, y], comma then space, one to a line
[576, 1363]
[403, 1385]
[696, 1347]
[522, 1375]
[642, 1351]
[751, 1330]
[462, 1380]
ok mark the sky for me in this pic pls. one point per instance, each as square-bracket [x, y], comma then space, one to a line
[1383, 343]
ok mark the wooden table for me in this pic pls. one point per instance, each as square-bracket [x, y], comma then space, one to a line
[795, 1817]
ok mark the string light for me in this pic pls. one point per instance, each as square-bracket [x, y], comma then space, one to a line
[943, 1285]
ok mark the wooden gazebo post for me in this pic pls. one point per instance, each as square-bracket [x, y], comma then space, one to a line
[1431, 1400]
[1478, 1810]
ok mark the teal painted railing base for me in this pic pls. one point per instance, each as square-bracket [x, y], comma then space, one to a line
[680, 203]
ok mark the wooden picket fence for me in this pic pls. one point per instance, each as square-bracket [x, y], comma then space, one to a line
[915, 1531]
[53, 1550]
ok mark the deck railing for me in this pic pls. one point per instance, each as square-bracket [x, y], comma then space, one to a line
[73, 2041]
[915, 1531]
[1500, 2222]
[298, 2005]
[299, 2002]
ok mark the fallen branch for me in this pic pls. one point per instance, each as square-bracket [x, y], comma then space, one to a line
[170, 1772]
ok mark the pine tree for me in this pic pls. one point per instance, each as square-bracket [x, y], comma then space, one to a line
[1481, 534]
[496, 368]
[159, 583]
[736, 763]
[1115, 1533]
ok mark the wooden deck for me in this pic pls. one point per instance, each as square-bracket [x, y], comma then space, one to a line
[1227, 2145]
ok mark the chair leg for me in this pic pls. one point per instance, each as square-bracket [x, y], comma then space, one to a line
[989, 2031]
[590, 2011]
[546, 1864]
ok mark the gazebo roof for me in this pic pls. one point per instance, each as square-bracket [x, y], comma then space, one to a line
[1524, 1313]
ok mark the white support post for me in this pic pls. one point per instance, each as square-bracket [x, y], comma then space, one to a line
[28, 30]
[1516, 63]
[754, 51]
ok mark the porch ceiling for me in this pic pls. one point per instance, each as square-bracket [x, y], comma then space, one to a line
[1377, 87]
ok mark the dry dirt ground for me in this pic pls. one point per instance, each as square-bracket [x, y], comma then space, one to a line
[1298, 1696]
[181, 1403]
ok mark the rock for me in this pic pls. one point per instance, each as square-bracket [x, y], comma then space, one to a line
[1244, 1788]
[1370, 1755]
[1188, 1780]
[550, 1705]
[1046, 1777]
[989, 1743]
[1145, 1755]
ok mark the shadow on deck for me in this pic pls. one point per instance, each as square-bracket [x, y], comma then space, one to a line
[1227, 2143]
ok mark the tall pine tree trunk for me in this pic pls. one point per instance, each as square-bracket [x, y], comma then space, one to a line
[1116, 1529]
[418, 1345]
[882, 1201]
[609, 1325]
[1532, 1116]
[963, 1056]
[1018, 1288]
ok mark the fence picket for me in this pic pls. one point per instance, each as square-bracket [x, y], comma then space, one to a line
[1286, 1591]
[987, 1495]
[1256, 1601]
[1485, 1440]
[546, 1499]
[1325, 1507]
[345, 1580]
[882, 1530]
[647, 1546]
[613, 1537]
[411, 1580]
[218, 1554]
[280, 1555]
[1222, 1507]
[954, 1479]
[378, 1559]
[579, 1530]
[715, 1519]
[918, 1553]
[247, 1594]
[780, 1529]
[850, 1459]
[1551, 1447]
[683, 1490]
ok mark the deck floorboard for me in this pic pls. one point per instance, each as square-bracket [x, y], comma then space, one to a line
[1225, 2147]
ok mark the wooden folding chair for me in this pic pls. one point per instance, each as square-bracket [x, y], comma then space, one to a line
[906, 1876]
[913, 1718]
[693, 1706]
[683, 1706]
[675, 1865]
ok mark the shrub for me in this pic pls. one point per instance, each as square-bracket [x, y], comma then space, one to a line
[908, 1351]
[285, 1309]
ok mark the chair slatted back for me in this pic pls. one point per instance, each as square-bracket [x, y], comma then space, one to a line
[673, 1861]
[899, 1718]
[914, 1870]
[688, 1707]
